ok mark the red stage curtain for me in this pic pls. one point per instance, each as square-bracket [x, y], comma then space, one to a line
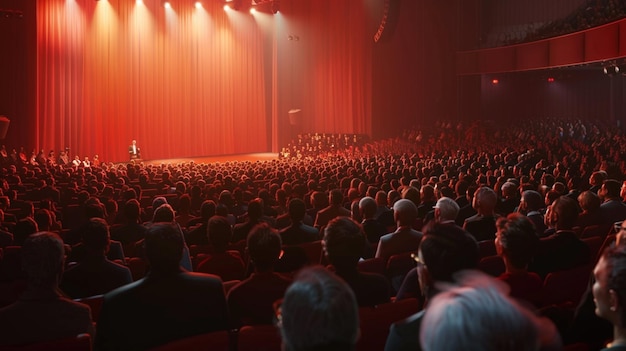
[190, 82]
[182, 81]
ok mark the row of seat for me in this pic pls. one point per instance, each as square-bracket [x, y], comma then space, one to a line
[374, 325]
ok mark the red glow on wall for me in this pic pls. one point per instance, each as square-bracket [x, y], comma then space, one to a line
[495, 81]
[550, 79]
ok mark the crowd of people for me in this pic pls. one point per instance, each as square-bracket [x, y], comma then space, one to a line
[438, 192]
[590, 14]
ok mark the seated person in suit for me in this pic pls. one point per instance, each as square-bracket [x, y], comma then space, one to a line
[444, 251]
[197, 235]
[250, 302]
[371, 226]
[167, 305]
[319, 312]
[95, 274]
[335, 209]
[516, 242]
[561, 250]
[344, 243]
[405, 238]
[483, 225]
[531, 205]
[133, 150]
[612, 208]
[42, 314]
[590, 203]
[222, 262]
[298, 232]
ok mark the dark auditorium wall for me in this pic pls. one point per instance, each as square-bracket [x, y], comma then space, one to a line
[413, 74]
[18, 70]
[582, 93]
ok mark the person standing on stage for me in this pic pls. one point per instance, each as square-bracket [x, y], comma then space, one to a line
[134, 151]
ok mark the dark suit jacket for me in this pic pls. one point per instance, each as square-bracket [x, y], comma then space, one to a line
[128, 233]
[370, 289]
[298, 234]
[560, 251]
[325, 215]
[43, 316]
[404, 334]
[116, 252]
[94, 276]
[613, 211]
[537, 219]
[373, 230]
[481, 227]
[197, 235]
[251, 301]
[163, 307]
[6, 238]
[464, 213]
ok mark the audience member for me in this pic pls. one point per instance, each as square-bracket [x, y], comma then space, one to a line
[344, 244]
[335, 209]
[319, 312]
[609, 293]
[298, 232]
[95, 274]
[198, 234]
[41, 313]
[250, 302]
[444, 250]
[531, 205]
[483, 225]
[167, 305]
[405, 238]
[476, 315]
[561, 250]
[222, 262]
[590, 203]
[612, 208]
[371, 226]
[516, 242]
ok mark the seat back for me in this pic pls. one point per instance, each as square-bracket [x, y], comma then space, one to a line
[80, 342]
[259, 338]
[594, 243]
[600, 230]
[95, 303]
[375, 322]
[11, 264]
[313, 251]
[398, 266]
[492, 265]
[138, 267]
[487, 248]
[563, 287]
[218, 341]
[372, 265]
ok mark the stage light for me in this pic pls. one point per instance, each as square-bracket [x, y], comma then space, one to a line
[550, 80]
[495, 81]
[252, 10]
[167, 5]
[198, 5]
[139, 2]
[233, 4]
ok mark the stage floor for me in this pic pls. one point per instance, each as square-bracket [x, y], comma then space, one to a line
[265, 156]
